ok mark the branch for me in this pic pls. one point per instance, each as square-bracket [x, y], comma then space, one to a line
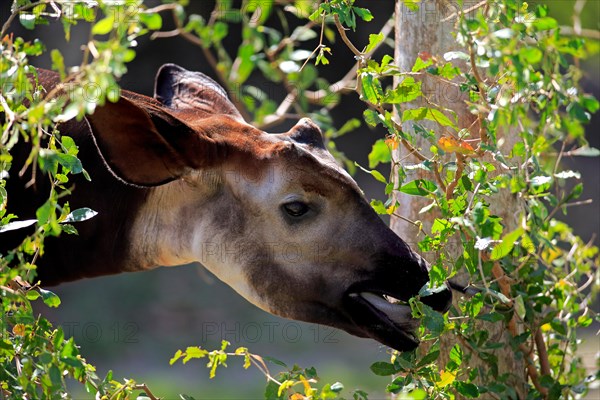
[10, 116]
[162, 7]
[585, 33]
[468, 10]
[342, 32]
[542, 352]
[280, 114]
[417, 224]
[347, 84]
[532, 372]
[482, 92]
[460, 167]
[20, 10]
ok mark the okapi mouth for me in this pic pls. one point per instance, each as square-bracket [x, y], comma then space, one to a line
[388, 320]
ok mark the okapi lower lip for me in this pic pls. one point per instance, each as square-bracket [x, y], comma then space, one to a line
[389, 323]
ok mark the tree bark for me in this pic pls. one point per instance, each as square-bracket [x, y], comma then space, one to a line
[429, 31]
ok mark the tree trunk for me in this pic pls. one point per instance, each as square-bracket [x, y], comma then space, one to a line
[427, 31]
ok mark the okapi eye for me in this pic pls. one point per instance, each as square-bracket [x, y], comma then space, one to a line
[296, 208]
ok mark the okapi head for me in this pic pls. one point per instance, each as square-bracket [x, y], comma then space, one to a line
[272, 215]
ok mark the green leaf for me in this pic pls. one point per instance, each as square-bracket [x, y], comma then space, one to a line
[380, 153]
[219, 32]
[49, 298]
[27, 20]
[363, 13]
[176, 357]
[374, 40]
[104, 26]
[372, 117]
[275, 361]
[44, 212]
[530, 55]
[456, 355]
[590, 103]
[272, 391]
[429, 358]
[348, 126]
[468, 390]
[69, 161]
[544, 24]
[377, 175]
[32, 295]
[58, 63]
[508, 242]
[520, 306]
[378, 206]
[382, 368]
[421, 64]
[419, 187]
[152, 21]
[246, 65]
[368, 84]
[433, 320]
[432, 114]
[81, 214]
[193, 352]
[408, 90]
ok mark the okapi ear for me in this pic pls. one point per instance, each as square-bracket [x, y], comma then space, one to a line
[179, 88]
[144, 145]
[307, 132]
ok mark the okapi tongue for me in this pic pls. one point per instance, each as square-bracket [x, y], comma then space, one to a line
[399, 314]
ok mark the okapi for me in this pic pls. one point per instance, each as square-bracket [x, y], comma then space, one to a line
[182, 178]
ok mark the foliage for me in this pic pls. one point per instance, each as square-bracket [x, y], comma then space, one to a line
[36, 357]
[519, 75]
[283, 386]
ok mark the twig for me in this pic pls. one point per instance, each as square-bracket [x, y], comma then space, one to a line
[10, 116]
[347, 84]
[540, 344]
[572, 204]
[482, 92]
[468, 10]
[585, 33]
[294, 37]
[18, 11]
[344, 37]
[410, 222]
[577, 30]
[160, 8]
[438, 177]
[343, 84]
[460, 167]
[560, 154]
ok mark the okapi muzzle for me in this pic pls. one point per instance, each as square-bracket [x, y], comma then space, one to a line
[182, 178]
